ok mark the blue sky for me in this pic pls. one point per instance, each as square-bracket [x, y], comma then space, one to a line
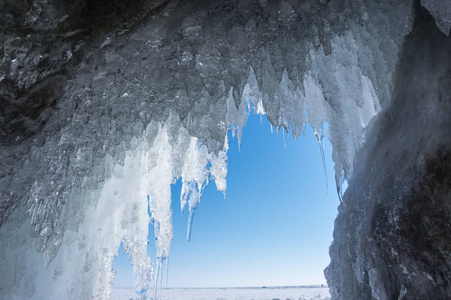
[273, 228]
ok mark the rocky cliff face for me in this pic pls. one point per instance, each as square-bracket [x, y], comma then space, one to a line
[392, 234]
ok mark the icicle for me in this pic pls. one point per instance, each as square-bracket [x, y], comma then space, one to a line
[191, 192]
[161, 281]
[270, 125]
[341, 182]
[167, 271]
[190, 223]
[340, 193]
[284, 140]
[194, 200]
[158, 285]
[156, 281]
[320, 137]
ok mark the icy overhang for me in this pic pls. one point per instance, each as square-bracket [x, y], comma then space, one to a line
[91, 91]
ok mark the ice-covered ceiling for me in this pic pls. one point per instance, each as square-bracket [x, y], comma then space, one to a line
[105, 103]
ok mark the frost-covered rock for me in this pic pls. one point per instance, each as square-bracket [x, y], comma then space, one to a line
[441, 11]
[398, 204]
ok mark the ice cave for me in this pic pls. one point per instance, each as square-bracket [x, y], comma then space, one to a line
[105, 104]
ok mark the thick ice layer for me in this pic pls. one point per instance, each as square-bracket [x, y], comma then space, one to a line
[102, 98]
[119, 211]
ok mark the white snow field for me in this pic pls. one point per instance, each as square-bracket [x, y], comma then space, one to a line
[319, 292]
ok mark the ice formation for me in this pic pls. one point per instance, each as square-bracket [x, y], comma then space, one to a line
[105, 103]
[398, 200]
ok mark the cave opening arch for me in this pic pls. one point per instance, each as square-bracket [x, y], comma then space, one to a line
[274, 226]
[81, 103]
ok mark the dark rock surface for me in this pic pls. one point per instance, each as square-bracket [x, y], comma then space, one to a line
[43, 42]
[392, 237]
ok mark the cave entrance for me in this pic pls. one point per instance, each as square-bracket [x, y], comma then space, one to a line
[273, 228]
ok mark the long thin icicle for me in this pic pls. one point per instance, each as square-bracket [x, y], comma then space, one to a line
[158, 278]
[320, 137]
[284, 140]
[192, 210]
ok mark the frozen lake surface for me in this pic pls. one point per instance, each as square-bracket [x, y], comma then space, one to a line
[261, 293]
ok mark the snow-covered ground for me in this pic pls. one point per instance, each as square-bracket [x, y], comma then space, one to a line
[263, 293]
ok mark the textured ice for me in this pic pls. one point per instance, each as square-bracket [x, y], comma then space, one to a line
[105, 105]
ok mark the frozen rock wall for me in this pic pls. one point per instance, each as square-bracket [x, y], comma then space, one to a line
[105, 103]
[441, 11]
[392, 234]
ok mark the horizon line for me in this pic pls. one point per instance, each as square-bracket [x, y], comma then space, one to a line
[237, 287]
